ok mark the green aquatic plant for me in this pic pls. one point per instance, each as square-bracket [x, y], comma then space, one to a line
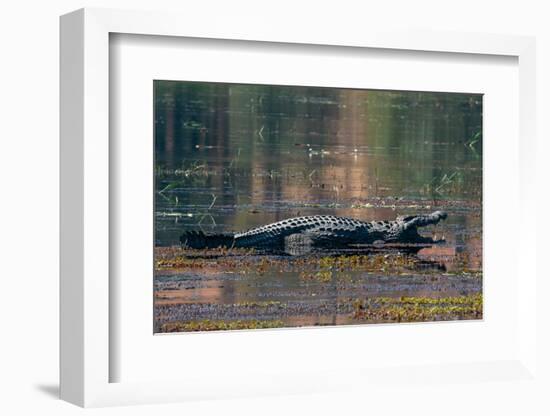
[234, 161]
[213, 325]
[246, 262]
[418, 309]
[320, 276]
[476, 137]
[188, 169]
[194, 125]
[448, 183]
[258, 304]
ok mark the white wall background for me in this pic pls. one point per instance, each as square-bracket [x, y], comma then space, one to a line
[29, 183]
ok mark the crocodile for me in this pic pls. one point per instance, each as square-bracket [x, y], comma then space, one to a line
[304, 234]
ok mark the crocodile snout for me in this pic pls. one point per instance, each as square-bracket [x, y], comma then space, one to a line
[441, 214]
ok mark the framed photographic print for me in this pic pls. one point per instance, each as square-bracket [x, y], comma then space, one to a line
[285, 206]
[271, 214]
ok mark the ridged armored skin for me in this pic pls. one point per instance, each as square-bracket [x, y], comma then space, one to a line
[319, 231]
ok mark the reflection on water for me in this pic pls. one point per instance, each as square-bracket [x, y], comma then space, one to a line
[230, 157]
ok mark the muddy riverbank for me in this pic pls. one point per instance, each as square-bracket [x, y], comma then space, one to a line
[238, 289]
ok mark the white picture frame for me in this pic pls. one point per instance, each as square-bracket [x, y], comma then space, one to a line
[86, 356]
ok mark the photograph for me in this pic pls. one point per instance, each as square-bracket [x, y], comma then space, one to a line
[280, 206]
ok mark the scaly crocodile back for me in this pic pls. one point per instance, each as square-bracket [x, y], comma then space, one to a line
[318, 227]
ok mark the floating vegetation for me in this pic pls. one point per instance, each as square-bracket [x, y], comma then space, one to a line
[209, 325]
[320, 276]
[176, 258]
[448, 183]
[274, 314]
[311, 267]
[419, 309]
[187, 170]
[258, 304]
[191, 124]
[359, 205]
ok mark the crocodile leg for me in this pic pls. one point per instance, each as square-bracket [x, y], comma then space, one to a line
[298, 244]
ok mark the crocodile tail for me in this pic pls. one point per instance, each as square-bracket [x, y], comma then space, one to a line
[200, 240]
